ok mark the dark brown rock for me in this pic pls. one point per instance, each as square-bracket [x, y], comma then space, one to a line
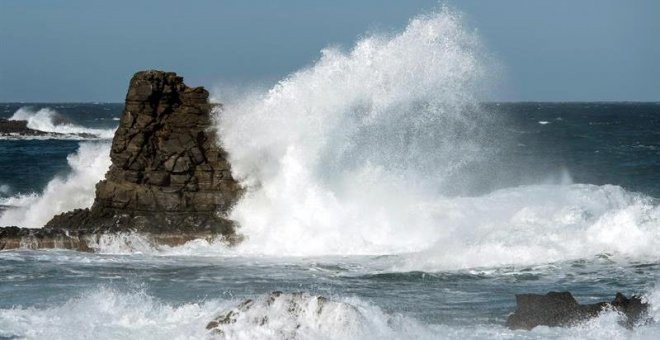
[158, 150]
[17, 127]
[560, 309]
[163, 143]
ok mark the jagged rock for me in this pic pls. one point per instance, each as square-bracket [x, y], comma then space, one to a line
[560, 309]
[285, 314]
[168, 174]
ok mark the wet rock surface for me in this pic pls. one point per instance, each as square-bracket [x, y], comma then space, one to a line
[17, 127]
[560, 309]
[168, 174]
[286, 314]
[15, 237]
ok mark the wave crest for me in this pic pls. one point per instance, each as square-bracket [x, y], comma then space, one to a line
[88, 166]
[49, 120]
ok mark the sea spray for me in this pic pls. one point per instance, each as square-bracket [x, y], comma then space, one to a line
[76, 190]
[355, 155]
[107, 313]
[344, 157]
[49, 120]
[111, 313]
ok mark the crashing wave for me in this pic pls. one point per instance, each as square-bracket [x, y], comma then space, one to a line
[47, 123]
[76, 190]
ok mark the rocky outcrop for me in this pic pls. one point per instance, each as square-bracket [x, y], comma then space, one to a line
[19, 128]
[286, 315]
[560, 309]
[168, 174]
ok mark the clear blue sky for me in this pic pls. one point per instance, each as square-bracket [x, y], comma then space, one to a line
[86, 50]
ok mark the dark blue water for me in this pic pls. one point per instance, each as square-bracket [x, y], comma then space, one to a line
[26, 166]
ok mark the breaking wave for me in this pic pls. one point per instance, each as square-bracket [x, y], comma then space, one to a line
[107, 313]
[360, 154]
[110, 314]
[76, 190]
[49, 120]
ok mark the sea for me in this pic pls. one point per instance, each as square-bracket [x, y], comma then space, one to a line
[377, 178]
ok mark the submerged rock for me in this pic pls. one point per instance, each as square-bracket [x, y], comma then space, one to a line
[560, 309]
[287, 315]
[168, 174]
[19, 128]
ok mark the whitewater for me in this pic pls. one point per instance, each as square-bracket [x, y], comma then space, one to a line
[51, 121]
[377, 178]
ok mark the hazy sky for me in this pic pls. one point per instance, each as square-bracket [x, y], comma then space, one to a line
[86, 50]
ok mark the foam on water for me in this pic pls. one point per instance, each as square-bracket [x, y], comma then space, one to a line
[352, 156]
[342, 157]
[107, 313]
[49, 120]
[110, 314]
[88, 166]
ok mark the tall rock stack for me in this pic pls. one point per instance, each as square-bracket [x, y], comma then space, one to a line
[168, 174]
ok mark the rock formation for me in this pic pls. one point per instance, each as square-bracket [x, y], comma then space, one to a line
[286, 315]
[560, 309]
[168, 174]
[19, 128]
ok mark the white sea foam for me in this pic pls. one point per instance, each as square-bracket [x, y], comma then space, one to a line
[342, 157]
[111, 314]
[49, 120]
[106, 313]
[76, 190]
[350, 156]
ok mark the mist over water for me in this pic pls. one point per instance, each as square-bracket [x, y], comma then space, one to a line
[364, 152]
[346, 156]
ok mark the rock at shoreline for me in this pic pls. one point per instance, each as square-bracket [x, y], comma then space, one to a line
[14, 237]
[19, 128]
[168, 174]
[288, 315]
[560, 309]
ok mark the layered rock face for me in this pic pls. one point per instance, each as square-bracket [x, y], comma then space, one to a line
[168, 178]
[168, 174]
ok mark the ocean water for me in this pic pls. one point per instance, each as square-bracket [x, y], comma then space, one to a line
[376, 177]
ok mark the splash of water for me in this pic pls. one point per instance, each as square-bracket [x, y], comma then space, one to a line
[49, 120]
[353, 155]
[107, 313]
[345, 156]
[88, 166]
